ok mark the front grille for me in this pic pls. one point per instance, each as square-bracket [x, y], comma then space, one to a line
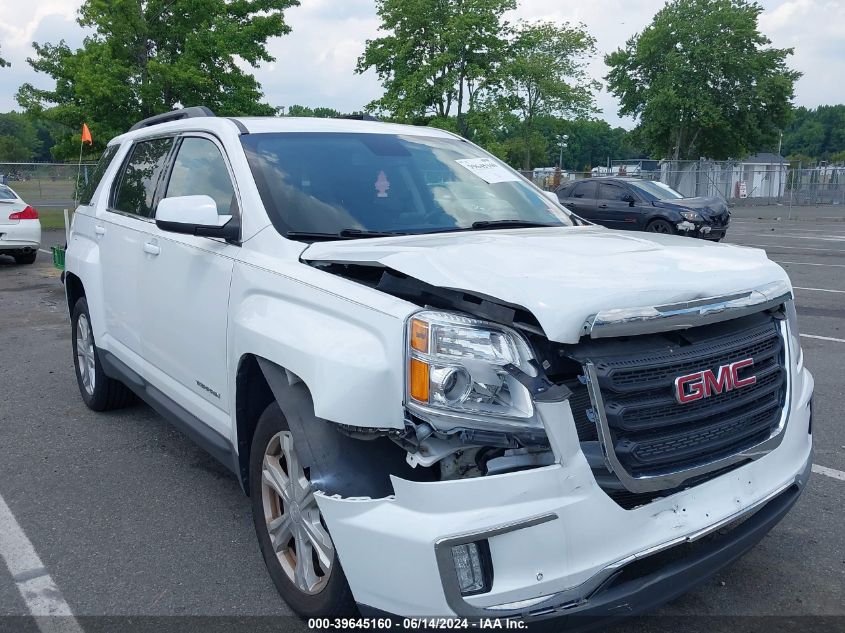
[650, 432]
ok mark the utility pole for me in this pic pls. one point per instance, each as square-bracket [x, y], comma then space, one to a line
[562, 144]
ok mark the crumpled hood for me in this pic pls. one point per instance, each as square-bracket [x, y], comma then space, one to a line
[563, 276]
[706, 205]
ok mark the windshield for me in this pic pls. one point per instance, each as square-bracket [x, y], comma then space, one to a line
[655, 190]
[363, 183]
[7, 194]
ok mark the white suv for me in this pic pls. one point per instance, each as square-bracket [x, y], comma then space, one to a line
[444, 394]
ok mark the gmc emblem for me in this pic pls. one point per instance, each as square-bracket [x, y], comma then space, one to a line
[703, 384]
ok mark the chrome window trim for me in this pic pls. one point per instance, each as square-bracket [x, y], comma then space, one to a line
[686, 314]
[670, 480]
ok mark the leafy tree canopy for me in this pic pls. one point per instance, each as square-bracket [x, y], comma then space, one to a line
[817, 134]
[19, 140]
[704, 81]
[544, 74]
[149, 56]
[4, 63]
[436, 56]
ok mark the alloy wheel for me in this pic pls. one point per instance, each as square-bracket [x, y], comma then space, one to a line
[85, 354]
[297, 531]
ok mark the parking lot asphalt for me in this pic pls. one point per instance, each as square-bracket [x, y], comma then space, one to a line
[131, 519]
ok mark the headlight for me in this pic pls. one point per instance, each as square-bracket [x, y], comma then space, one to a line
[792, 326]
[456, 367]
[692, 216]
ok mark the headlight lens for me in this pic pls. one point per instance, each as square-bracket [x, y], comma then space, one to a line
[456, 365]
[692, 216]
[792, 326]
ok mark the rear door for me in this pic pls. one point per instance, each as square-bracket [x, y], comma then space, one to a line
[184, 280]
[120, 232]
[614, 207]
[582, 200]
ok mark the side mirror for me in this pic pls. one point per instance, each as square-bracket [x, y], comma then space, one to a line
[551, 195]
[196, 215]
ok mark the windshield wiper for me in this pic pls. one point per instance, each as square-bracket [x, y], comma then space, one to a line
[511, 224]
[343, 234]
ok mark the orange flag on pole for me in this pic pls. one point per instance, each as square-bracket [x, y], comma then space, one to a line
[86, 134]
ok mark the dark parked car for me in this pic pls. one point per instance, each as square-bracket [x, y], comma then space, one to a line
[645, 205]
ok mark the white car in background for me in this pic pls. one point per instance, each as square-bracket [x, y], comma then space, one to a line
[20, 229]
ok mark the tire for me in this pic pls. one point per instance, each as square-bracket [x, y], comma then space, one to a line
[26, 258]
[661, 226]
[99, 392]
[313, 586]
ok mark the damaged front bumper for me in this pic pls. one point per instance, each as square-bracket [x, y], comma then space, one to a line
[701, 229]
[558, 545]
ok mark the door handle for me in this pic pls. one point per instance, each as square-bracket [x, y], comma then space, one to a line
[151, 248]
[99, 230]
[602, 206]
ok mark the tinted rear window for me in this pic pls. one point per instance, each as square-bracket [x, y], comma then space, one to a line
[140, 176]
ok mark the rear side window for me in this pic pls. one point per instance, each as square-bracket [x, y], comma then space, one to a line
[86, 191]
[199, 169]
[136, 191]
[585, 190]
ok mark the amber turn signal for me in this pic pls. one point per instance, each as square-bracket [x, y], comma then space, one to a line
[418, 380]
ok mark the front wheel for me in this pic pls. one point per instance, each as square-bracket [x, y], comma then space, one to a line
[660, 226]
[292, 534]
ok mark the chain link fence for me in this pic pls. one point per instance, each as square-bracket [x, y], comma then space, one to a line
[740, 183]
[46, 185]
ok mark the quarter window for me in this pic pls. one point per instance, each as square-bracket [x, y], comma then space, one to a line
[141, 174]
[199, 169]
[94, 178]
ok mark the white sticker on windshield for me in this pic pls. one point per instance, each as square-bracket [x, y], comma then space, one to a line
[488, 170]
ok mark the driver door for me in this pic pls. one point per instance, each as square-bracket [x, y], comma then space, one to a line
[185, 283]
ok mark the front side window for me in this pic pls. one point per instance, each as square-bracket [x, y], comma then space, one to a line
[653, 190]
[610, 191]
[87, 190]
[331, 182]
[199, 169]
[136, 190]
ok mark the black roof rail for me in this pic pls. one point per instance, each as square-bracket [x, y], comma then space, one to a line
[173, 115]
[362, 116]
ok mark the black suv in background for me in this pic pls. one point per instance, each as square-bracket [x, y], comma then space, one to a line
[645, 205]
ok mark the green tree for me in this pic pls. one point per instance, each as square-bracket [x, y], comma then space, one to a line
[305, 111]
[544, 74]
[437, 56]
[818, 133]
[704, 81]
[149, 56]
[4, 63]
[19, 140]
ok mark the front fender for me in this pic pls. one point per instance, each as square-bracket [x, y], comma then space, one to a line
[349, 352]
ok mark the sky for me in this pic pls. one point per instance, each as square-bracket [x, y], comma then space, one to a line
[315, 64]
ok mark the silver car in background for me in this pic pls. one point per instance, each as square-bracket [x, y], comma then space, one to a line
[20, 228]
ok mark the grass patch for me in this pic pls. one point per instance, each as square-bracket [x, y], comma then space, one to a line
[52, 217]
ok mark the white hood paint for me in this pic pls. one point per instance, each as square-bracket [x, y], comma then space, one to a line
[563, 276]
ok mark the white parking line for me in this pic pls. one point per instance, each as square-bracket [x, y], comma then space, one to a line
[819, 289]
[830, 472]
[36, 586]
[800, 248]
[809, 264]
[820, 238]
[824, 338]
